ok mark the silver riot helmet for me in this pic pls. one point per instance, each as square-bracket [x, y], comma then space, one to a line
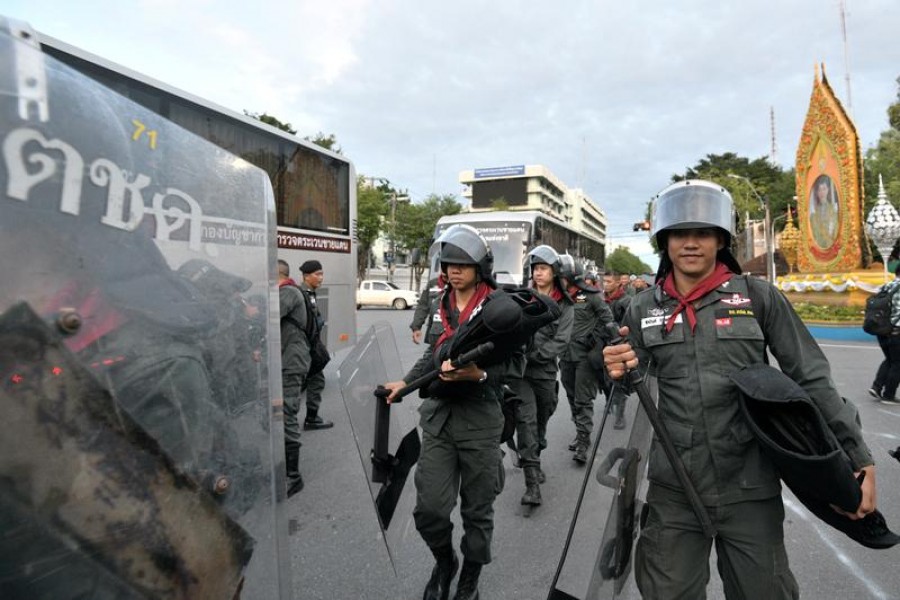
[463, 245]
[544, 255]
[692, 204]
[570, 268]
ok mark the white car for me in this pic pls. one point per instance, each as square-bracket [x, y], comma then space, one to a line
[386, 294]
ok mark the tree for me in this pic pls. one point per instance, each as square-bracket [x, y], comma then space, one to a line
[768, 180]
[371, 206]
[329, 142]
[273, 121]
[419, 221]
[499, 204]
[884, 160]
[623, 261]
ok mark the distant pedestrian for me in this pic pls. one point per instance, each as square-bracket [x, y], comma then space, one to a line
[887, 378]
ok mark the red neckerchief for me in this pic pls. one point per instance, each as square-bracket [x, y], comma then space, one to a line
[555, 292]
[287, 281]
[720, 275]
[482, 290]
[573, 291]
[620, 291]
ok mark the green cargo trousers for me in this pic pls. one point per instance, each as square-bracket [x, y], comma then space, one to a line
[526, 424]
[448, 468]
[546, 397]
[672, 556]
[580, 382]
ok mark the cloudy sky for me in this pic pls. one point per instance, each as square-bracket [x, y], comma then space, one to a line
[613, 97]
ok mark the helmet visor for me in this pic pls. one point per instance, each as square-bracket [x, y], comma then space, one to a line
[466, 240]
[690, 207]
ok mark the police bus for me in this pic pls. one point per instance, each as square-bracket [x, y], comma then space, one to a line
[315, 188]
[512, 234]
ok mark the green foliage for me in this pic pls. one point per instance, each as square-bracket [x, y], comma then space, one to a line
[371, 206]
[768, 180]
[273, 121]
[894, 110]
[622, 260]
[418, 222]
[828, 313]
[499, 204]
[884, 159]
[329, 142]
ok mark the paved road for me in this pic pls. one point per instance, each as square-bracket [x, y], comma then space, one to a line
[337, 550]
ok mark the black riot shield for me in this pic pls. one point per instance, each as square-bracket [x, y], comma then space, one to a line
[139, 452]
[385, 435]
[597, 560]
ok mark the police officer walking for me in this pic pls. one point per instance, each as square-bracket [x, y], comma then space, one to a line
[578, 375]
[314, 382]
[462, 421]
[537, 388]
[701, 322]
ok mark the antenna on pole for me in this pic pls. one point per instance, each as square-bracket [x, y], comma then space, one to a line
[846, 56]
[774, 152]
[583, 160]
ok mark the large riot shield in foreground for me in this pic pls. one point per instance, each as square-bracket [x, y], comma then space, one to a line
[597, 561]
[386, 435]
[139, 455]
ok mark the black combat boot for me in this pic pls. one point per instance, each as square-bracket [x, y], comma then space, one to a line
[292, 464]
[574, 443]
[582, 445]
[314, 421]
[532, 496]
[445, 566]
[620, 414]
[468, 582]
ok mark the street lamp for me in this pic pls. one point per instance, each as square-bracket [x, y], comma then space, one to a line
[769, 234]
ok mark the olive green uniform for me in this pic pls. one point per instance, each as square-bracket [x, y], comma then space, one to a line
[699, 406]
[539, 394]
[579, 377]
[461, 427]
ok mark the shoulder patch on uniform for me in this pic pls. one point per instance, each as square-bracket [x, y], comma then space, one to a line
[736, 300]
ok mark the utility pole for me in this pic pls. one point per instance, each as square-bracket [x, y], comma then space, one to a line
[772, 128]
[393, 244]
[846, 56]
[767, 224]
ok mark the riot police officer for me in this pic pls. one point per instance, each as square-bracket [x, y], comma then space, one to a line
[537, 388]
[462, 421]
[578, 375]
[701, 322]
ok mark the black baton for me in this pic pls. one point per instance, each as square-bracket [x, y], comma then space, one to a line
[640, 386]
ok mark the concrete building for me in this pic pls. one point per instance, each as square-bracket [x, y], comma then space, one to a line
[533, 187]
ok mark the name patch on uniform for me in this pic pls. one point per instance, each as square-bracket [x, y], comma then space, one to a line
[729, 313]
[657, 321]
[724, 322]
